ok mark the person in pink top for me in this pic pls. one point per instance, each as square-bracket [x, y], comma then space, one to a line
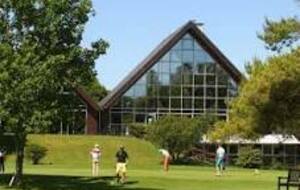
[95, 155]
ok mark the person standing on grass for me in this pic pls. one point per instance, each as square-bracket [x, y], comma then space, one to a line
[95, 154]
[166, 159]
[122, 159]
[220, 156]
[2, 166]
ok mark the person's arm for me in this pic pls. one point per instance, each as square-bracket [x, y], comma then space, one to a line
[127, 157]
[116, 156]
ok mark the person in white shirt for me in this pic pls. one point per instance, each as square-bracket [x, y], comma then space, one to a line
[166, 158]
[220, 156]
[95, 155]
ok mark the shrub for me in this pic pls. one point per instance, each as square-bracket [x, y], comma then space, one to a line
[137, 130]
[35, 153]
[177, 134]
[249, 157]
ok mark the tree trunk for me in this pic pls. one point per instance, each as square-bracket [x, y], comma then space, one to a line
[20, 140]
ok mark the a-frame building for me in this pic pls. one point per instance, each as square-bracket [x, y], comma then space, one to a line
[185, 75]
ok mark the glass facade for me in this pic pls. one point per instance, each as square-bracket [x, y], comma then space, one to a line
[185, 81]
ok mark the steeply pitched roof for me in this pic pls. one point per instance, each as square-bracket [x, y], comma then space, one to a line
[191, 28]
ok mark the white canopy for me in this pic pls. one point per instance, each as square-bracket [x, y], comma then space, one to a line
[267, 139]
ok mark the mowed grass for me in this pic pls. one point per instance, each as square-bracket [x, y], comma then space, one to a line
[67, 167]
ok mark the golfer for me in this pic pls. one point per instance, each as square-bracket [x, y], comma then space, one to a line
[95, 155]
[166, 159]
[220, 157]
[122, 159]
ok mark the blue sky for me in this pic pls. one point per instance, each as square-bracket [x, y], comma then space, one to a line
[134, 27]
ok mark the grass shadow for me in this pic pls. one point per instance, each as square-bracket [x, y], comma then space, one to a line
[60, 182]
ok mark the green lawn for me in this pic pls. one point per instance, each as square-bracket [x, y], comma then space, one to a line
[67, 167]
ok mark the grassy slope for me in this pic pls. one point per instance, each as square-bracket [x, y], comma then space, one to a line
[71, 169]
[69, 151]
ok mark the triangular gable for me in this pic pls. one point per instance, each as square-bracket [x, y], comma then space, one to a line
[161, 50]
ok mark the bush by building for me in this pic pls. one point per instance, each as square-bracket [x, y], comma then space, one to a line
[137, 130]
[249, 157]
[177, 134]
[35, 153]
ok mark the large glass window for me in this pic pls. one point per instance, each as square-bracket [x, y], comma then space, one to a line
[175, 67]
[199, 104]
[187, 91]
[211, 80]
[175, 56]
[164, 79]
[139, 90]
[187, 44]
[152, 90]
[187, 103]
[187, 57]
[175, 90]
[128, 102]
[163, 102]
[199, 92]
[116, 117]
[164, 67]
[152, 103]
[199, 80]
[176, 103]
[185, 81]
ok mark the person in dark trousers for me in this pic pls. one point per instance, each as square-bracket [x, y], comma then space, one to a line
[122, 159]
[2, 166]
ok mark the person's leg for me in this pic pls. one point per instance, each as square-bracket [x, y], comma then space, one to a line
[123, 171]
[97, 168]
[217, 167]
[221, 166]
[165, 164]
[118, 172]
[94, 168]
[168, 163]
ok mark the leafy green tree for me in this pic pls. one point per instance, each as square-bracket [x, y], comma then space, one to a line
[268, 101]
[176, 134]
[95, 90]
[40, 55]
[280, 34]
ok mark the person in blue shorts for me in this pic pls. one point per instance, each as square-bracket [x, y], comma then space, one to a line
[220, 157]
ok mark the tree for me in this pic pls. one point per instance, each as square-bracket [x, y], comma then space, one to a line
[176, 134]
[269, 100]
[40, 55]
[96, 90]
[280, 34]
